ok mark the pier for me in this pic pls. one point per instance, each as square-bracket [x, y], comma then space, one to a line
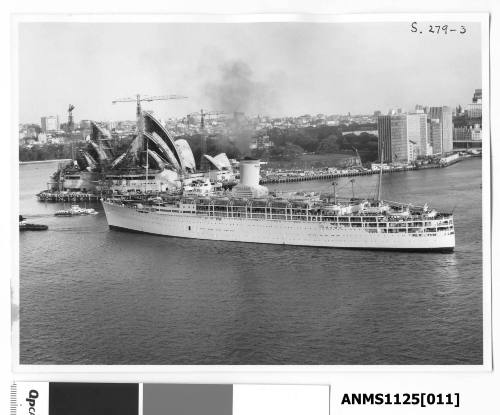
[289, 177]
[62, 197]
[328, 175]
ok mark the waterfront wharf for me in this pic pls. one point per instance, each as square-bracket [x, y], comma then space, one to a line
[62, 197]
[329, 175]
[323, 175]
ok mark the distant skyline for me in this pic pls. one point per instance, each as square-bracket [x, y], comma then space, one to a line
[275, 69]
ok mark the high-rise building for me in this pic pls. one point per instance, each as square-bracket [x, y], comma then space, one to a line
[409, 136]
[50, 123]
[399, 139]
[384, 138]
[435, 135]
[477, 98]
[417, 132]
[474, 110]
[444, 143]
[447, 119]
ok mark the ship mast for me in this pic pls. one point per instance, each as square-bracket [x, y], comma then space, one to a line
[379, 189]
[147, 166]
[352, 186]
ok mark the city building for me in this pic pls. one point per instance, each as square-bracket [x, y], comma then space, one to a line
[478, 96]
[417, 131]
[399, 139]
[442, 143]
[467, 133]
[384, 137]
[447, 119]
[467, 125]
[409, 137]
[50, 123]
[474, 110]
[413, 150]
[28, 133]
[435, 135]
[476, 133]
[261, 142]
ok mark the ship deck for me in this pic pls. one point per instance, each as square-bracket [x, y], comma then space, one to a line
[371, 215]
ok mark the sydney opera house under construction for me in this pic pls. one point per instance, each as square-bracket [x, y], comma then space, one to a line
[154, 161]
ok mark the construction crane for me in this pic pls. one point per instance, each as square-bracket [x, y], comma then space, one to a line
[70, 118]
[138, 99]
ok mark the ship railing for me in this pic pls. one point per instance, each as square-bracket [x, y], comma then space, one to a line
[344, 222]
[410, 223]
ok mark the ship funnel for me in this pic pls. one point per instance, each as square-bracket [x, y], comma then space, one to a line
[249, 172]
[249, 180]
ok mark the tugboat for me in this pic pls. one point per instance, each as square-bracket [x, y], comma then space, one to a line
[76, 210]
[25, 226]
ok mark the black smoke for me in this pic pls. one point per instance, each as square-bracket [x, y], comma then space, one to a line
[234, 87]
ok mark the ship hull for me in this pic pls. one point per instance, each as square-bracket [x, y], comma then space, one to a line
[283, 232]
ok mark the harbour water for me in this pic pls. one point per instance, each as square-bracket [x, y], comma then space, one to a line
[94, 296]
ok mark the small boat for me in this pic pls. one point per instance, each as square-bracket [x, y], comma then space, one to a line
[76, 210]
[66, 212]
[25, 226]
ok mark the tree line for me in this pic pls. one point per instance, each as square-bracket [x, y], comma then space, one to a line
[291, 143]
[288, 145]
[53, 151]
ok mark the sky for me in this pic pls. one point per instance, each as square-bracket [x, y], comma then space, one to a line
[275, 69]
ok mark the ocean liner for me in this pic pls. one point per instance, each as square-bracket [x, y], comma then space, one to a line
[250, 214]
